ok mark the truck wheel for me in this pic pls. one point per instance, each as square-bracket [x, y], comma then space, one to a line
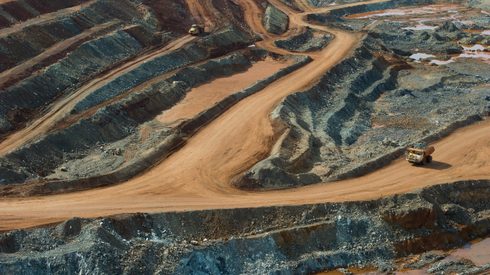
[429, 159]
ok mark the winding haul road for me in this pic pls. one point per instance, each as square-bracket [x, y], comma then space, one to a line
[198, 175]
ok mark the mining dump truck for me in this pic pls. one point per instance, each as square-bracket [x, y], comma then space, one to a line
[419, 154]
[196, 30]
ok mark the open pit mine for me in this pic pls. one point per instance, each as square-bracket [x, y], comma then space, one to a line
[244, 137]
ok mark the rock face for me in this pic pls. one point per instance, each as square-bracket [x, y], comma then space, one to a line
[275, 21]
[297, 239]
[411, 214]
[20, 44]
[178, 20]
[57, 78]
[449, 26]
[227, 39]
[305, 42]
[118, 30]
[18, 11]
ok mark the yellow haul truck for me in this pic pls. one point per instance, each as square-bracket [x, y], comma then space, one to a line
[419, 154]
[196, 30]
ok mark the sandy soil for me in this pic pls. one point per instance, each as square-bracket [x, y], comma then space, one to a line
[63, 107]
[198, 176]
[203, 97]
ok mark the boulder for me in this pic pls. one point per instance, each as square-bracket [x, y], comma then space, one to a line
[449, 27]
[454, 50]
[424, 36]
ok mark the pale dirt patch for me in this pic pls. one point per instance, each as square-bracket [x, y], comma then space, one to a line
[205, 96]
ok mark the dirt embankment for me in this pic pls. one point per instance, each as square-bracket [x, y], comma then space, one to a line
[19, 45]
[46, 58]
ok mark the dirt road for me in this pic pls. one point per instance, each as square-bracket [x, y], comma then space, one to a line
[62, 108]
[463, 155]
[203, 97]
[198, 175]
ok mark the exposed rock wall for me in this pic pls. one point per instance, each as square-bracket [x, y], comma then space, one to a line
[63, 72]
[31, 40]
[275, 21]
[290, 240]
[233, 13]
[12, 12]
[335, 15]
[305, 42]
[292, 4]
[178, 20]
[443, 41]
[41, 89]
